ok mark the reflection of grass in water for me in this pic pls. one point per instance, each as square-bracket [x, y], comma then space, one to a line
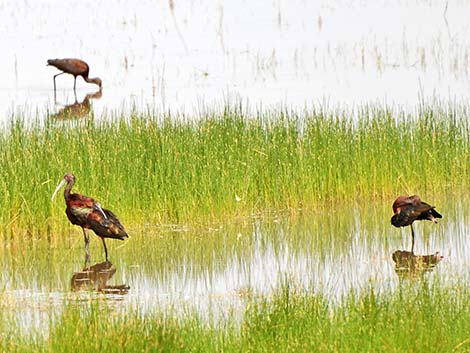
[418, 318]
[163, 257]
[170, 171]
[160, 253]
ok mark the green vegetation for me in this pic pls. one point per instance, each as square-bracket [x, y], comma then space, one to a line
[417, 318]
[165, 170]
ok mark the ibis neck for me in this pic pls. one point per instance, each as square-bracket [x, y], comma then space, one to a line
[68, 188]
[95, 80]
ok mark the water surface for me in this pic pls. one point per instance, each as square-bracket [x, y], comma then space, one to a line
[215, 271]
[200, 55]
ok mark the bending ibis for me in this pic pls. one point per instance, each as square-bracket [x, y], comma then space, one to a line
[75, 67]
[408, 209]
[87, 213]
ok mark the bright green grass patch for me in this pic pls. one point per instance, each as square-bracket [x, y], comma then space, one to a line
[420, 319]
[151, 169]
[423, 320]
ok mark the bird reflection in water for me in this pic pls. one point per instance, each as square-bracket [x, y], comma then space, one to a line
[407, 264]
[95, 278]
[77, 110]
[406, 210]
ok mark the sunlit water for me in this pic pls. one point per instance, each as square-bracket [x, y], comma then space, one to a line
[216, 272]
[204, 54]
[200, 56]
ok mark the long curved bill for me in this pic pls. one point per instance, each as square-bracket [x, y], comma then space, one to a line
[62, 183]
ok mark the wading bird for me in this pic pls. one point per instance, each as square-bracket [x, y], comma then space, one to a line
[408, 209]
[75, 67]
[88, 214]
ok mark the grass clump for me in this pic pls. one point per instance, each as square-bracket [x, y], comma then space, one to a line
[424, 320]
[411, 320]
[152, 170]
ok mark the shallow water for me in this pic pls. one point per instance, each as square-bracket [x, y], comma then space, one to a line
[215, 271]
[202, 54]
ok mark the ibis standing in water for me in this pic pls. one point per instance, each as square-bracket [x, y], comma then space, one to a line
[408, 209]
[87, 213]
[75, 67]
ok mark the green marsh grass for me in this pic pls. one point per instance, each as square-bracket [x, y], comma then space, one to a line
[417, 318]
[155, 170]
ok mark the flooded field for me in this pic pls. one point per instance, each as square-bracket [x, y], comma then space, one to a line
[253, 151]
[196, 56]
[216, 271]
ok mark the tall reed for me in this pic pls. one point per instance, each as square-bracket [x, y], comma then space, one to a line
[153, 169]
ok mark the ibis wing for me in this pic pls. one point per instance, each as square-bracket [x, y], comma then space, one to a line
[409, 214]
[420, 210]
[109, 227]
[435, 214]
[71, 66]
[80, 214]
[430, 212]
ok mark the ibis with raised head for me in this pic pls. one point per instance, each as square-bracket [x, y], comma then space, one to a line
[87, 213]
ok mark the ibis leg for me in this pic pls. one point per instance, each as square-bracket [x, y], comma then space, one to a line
[56, 76]
[105, 249]
[412, 239]
[87, 244]
[74, 82]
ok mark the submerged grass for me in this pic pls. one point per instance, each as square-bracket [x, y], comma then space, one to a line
[416, 318]
[157, 170]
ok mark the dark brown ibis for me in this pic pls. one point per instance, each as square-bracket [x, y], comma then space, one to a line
[87, 213]
[75, 67]
[408, 209]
